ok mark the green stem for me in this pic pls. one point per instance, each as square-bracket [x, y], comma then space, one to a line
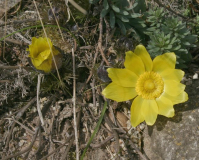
[96, 130]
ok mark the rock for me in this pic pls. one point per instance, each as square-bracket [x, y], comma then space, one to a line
[176, 138]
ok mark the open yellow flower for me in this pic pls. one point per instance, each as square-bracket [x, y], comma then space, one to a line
[155, 85]
[40, 54]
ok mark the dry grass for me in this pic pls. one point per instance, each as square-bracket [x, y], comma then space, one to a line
[70, 98]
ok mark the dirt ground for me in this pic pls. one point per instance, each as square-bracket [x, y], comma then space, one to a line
[22, 133]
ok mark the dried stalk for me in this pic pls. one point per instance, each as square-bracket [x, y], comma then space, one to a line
[74, 106]
[38, 103]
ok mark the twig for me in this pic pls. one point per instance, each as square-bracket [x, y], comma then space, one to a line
[93, 65]
[18, 22]
[70, 138]
[102, 143]
[77, 6]
[56, 20]
[19, 115]
[19, 35]
[6, 81]
[107, 31]
[110, 123]
[68, 10]
[94, 94]
[100, 41]
[74, 106]
[15, 67]
[169, 9]
[96, 129]
[137, 150]
[22, 125]
[87, 47]
[115, 134]
[68, 148]
[16, 9]
[71, 142]
[5, 29]
[38, 102]
[26, 149]
[16, 41]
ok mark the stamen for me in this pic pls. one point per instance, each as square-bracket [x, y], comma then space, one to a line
[149, 85]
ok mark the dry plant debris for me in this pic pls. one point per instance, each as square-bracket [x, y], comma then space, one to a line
[78, 83]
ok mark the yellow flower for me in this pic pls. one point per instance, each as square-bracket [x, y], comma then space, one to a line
[155, 85]
[40, 54]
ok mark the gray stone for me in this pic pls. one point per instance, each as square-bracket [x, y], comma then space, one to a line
[176, 138]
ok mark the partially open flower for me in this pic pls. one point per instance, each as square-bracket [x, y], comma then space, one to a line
[40, 54]
[155, 85]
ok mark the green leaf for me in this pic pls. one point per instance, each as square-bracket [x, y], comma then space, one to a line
[105, 5]
[168, 47]
[191, 38]
[152, 29]
[104, 12]
[135, 15]
[156, 49]
[141, 6]
[173, 40]
[183, 50]
[123, 12]
[123, 18]
[112, 19]
[115, 8]
[96, 129]
[120, 3]
[181, 66]
[176, 48]
[93, 1]
[121, 25]
[186, 44]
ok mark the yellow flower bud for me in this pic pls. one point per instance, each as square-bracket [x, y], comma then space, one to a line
[40, 54]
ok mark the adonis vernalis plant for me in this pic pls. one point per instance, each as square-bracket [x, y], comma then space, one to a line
[154, 85]
[40, 54]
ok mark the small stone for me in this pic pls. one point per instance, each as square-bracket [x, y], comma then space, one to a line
[195, 76]
[142, 126]
[176, 138]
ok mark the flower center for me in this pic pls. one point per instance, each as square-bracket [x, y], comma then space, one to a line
[149, 85]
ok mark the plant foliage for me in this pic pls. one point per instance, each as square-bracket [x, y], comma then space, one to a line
[121, 13]
[169, 34]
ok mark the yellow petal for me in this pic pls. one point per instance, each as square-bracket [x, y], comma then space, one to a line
[182, 97]
[33, 49]
[41, 58]
[149, 111]
[165, 106]
[134, 63]
[118, 93]
[34, 39]
[165, 61]
[42, 44]
[136, 116]
[45, 66]
[173, 88]
[122, 77]
[141, 51]
[172, 74]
